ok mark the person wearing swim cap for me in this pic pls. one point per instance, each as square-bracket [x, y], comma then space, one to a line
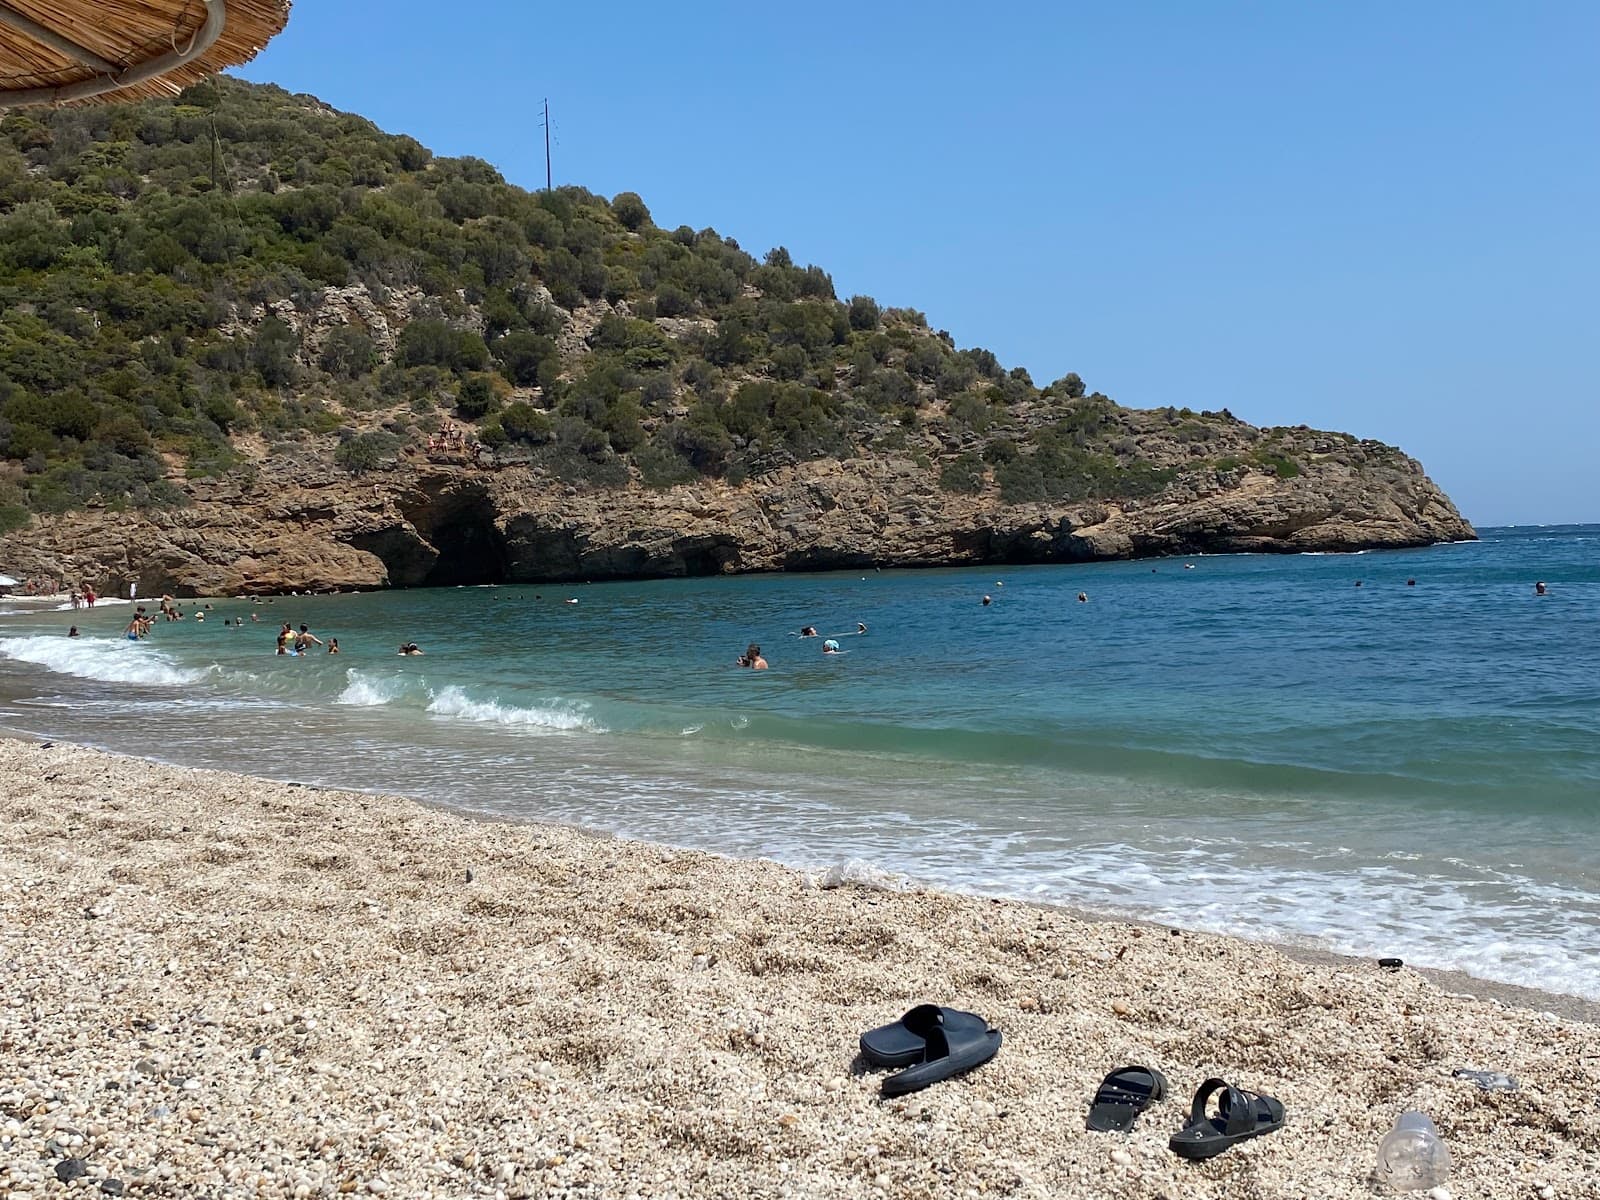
[830, 646]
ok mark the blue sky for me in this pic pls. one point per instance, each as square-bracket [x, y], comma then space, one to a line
[1376, 217]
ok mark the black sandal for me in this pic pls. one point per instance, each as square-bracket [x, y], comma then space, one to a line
[1123, 1095]
[1240, 1115]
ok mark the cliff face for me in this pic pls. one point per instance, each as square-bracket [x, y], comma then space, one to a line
[302, 525]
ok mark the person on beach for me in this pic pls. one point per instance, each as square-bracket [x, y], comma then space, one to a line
[77, 600]
[752, 658]
[88, 596]
[333, 645]
[410, 649]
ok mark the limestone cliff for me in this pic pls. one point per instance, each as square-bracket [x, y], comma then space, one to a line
[302, 524]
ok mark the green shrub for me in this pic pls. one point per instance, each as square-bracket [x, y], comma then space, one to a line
[475, 397]
[14, 517]
[522, 422]
[964, 474]
[364, 452]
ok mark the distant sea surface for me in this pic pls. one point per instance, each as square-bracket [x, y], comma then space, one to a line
[1247, 744]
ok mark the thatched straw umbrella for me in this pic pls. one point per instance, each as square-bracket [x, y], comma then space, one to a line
[77, 51]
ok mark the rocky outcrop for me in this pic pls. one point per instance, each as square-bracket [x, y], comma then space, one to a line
[301, 524]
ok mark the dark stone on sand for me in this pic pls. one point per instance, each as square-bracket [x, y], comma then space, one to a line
[69, 1169]
[112, 1187]
[1391, 964]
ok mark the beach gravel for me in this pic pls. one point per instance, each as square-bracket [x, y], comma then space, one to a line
[224, 987]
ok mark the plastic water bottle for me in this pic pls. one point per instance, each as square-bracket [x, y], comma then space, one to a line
[1412, 1156]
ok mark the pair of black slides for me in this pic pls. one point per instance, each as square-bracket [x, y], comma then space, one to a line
[932, 1043]
[1128, 1091]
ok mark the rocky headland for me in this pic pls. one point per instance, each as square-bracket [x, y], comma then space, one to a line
[300, 524]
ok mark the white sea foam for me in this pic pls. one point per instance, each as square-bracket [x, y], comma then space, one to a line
[109, 660]
[454, 702]
[366, 690]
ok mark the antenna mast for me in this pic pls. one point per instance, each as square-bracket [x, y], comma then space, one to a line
[547, 184]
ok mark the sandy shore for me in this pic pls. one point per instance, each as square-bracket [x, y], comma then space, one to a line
[219, 986]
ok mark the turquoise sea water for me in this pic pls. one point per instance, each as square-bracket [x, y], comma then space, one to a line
[1250, 744]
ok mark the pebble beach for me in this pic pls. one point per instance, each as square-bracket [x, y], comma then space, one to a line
[220, 986]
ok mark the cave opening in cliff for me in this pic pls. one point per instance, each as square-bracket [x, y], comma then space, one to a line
[470, 548]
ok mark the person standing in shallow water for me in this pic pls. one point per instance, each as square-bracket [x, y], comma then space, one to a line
[752, 658]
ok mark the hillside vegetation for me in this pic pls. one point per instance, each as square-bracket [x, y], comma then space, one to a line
[186, 287]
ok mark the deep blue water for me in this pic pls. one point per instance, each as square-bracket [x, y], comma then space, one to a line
[1251, 744]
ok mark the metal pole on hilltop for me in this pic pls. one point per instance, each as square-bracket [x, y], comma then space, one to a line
[547, 183]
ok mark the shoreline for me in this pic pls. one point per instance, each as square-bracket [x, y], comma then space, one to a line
[1566, 1005]
[231, 986]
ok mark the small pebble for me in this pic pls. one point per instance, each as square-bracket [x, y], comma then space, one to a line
[1122, 1158]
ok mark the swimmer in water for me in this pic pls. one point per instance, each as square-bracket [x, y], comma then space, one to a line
[1083, 597]
[752, 658]
[830, 647]
[988, 600]
[410, 649]
[73, 632]
[861, 626]
[333, 645]
[809, 631]
[1539, 589]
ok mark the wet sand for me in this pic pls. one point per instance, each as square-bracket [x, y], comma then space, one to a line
[222, 986]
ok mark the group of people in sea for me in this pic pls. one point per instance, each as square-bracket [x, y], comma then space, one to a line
[753, 659]
[299, 642]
